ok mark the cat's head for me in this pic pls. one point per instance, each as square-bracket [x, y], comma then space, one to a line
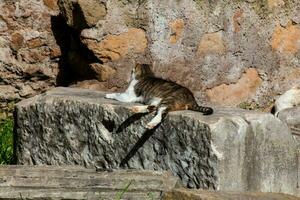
[141, 70]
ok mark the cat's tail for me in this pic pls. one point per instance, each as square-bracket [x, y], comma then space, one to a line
[203, 109]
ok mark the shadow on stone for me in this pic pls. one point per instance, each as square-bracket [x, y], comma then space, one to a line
[130, 120]
[75, 57]
[147, 134]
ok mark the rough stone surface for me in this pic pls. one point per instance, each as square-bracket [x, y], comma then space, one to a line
[213, 43]
[181, 194]
[291, 116]
[177, 27]
[74, 182]
[232, 94]
[286, 40]
[104, 72]
[114, 47]
[231, 150]
[82, 13]
[26, 40]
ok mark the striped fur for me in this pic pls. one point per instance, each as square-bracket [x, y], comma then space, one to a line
[173, 96]
[158, 95]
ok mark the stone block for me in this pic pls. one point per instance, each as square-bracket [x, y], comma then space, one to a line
[231, 150]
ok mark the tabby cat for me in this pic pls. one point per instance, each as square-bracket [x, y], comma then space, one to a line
[157, 94]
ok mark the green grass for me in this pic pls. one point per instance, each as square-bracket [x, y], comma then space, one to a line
[124, 190]
[6, 141]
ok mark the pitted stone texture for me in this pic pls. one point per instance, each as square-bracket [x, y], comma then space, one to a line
[75, 182]
[231, 150]
[82, 13]
[212, 43]
[180, 194]
[26, 42]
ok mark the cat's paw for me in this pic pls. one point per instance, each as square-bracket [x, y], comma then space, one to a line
[151, 108]
[135, 109]
[150, 126]
[139, 109]
[110, 96]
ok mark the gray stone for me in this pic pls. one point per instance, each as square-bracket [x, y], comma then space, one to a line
[82, 13]
[231, 150]
[179, 194]
[291, 116]
[74, 182]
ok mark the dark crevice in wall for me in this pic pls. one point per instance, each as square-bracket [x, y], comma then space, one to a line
[75, 56]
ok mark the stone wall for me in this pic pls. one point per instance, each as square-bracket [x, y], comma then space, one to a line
[227, 52]
[29, 54]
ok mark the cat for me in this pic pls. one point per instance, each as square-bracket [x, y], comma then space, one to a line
[157, 94]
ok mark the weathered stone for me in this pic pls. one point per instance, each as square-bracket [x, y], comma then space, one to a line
[236, 93]
[231, 150]
[291, 116]
[74, 182]
[52, 4]
[26, 91]
[55, 52]
[17, 40]
[114, 47]
[90, 84]
[286, 40]
[177, 27]
[8, 92]
[36, 42]
[237, 20]
[182, 194]
[24, 47]
[241, 34]
[93, 11]
[289, 99]
[82, 13]
[104, 72]
[275, 3]
[211, 43]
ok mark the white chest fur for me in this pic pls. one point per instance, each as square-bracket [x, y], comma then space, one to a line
[127, 96]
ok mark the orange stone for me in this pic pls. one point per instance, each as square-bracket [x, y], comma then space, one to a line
[211, 43]
[17, 40]
[238, 92]
[52, 4]
[114, 47]
[286, 40]
[55, 52]
[275, 3]
[104, 72]
[36, 42]
[177, 27]
[237, 20]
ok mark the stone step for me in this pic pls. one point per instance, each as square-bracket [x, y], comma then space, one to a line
[68, 182]
[53, 183]
[180, 194]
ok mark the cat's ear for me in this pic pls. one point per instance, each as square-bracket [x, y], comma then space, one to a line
[137, 70]
[147, 69]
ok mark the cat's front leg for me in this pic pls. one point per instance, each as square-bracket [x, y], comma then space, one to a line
[157, 118]
[123, 97]
[143, 109]
[112, 95]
